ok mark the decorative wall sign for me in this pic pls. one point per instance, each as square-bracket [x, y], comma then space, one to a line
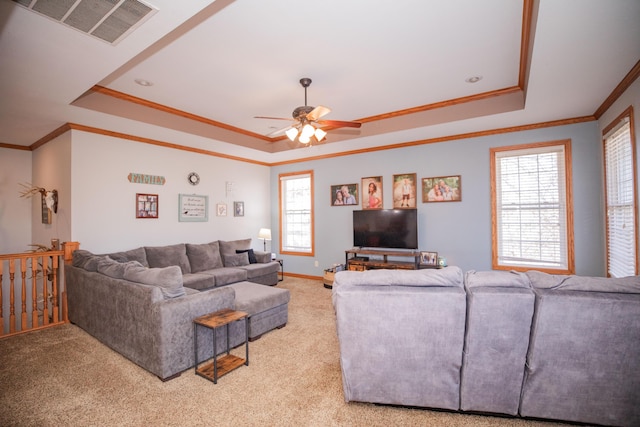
[140, 178]
[146, 205]
[193, 208]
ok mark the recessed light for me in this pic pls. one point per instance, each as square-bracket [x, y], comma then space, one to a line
[143, 82]
[474, 79]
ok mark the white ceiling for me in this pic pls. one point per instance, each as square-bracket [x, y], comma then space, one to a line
[225, 62]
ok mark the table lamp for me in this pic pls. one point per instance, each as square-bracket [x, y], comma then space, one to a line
[265, 234]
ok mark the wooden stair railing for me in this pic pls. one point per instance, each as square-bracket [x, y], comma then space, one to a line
[38, 286]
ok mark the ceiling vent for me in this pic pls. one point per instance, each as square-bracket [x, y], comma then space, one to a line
[107, 20]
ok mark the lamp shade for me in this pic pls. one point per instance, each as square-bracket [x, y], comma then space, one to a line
[292, 133]
[265, 233]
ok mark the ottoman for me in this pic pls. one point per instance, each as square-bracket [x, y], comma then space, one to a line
[267, 306]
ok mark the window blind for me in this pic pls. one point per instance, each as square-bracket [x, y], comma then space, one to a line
[620, 188]
[531, 208]
[296, 213]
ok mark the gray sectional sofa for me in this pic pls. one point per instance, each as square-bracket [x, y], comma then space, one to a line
[522, 344]
[142, 302]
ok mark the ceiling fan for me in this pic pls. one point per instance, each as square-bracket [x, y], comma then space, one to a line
[307, 121]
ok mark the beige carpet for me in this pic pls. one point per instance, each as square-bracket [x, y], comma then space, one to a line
[64, 377]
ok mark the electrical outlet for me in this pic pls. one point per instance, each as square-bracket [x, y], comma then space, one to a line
[315, 263]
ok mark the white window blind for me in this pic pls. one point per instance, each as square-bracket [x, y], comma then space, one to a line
[530, 229]
[620, 188]
[296, 213]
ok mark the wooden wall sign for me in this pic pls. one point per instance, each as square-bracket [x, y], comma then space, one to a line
[140, 178]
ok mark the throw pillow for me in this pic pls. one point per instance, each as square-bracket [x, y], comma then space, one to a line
[204, 257]
[137, 254]
[112, 268]
[169, 279]
[86, 260]
[165, 256]
[236, 260]
[250, 253]
[229, 248]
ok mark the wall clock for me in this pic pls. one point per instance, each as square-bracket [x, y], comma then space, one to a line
[193, 178]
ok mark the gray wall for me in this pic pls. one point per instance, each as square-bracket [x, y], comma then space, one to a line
[460, 231]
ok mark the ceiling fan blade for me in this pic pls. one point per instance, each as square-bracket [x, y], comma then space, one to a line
[318, 112]
[271, 118]
[340, 123]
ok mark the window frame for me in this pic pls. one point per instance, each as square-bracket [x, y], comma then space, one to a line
[569, 232]
[281, 199]
[609, 130]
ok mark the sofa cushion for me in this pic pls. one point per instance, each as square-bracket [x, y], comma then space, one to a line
[85, 260]
[229, 248]
[137, 254]
[236, 260]
[261, 269]
[112, 268]
[449, 277]
[165, 256]
[542, 280]
[227, 275]
[198, 281]
[204, 256]
[250, 253]
[168, 279]
[253, 298]
[500, 279]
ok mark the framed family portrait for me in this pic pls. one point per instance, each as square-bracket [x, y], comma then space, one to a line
[344, 194]
[146, 205]
[429, 259]
[372, 188]
[442, 189]
[404, 191]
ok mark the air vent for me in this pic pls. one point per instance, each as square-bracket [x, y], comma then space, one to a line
[107, 20]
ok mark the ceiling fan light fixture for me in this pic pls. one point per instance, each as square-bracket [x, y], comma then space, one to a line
[304, 139]
[320, 134]
[307, 131]
[292, 133]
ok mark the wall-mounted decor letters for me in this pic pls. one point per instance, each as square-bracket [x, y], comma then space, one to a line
[193, 208]
[141, 178]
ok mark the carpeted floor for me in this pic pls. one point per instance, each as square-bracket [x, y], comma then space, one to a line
[64, 377]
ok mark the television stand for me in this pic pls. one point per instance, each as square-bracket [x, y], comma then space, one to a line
[369, 259]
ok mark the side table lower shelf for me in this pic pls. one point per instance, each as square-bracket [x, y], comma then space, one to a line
[219, 366]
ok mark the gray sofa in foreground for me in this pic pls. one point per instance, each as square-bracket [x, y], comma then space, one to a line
[521, 344]
[141, 303]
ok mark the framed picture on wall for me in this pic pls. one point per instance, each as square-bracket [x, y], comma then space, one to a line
[238, 208]
[221, 209]
[344, 194]
[372, 197]
[442, 189]
[404, 191]
[193, 208]
[146, 205]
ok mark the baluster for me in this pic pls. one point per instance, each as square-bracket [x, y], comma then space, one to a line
[54, 287]
[45, 294]
[23, 297]
[1, 301]
[34, 292]
[12, 297]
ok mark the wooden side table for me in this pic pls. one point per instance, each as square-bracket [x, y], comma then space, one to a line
[219, 366]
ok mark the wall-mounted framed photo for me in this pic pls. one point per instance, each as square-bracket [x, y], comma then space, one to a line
[344, 194]
[193, 208]
[404, 191]
[442, 189]
[238, 208]
[372, 188]
[429, 259]
[221, 209]
[146, 205]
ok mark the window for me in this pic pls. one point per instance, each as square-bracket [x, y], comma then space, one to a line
[532, 209]
[620, 197]
[296, 213]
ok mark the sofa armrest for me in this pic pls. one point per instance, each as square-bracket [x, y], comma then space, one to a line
[262, 257]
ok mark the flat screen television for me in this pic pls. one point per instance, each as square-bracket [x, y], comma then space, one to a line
[386, 228]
